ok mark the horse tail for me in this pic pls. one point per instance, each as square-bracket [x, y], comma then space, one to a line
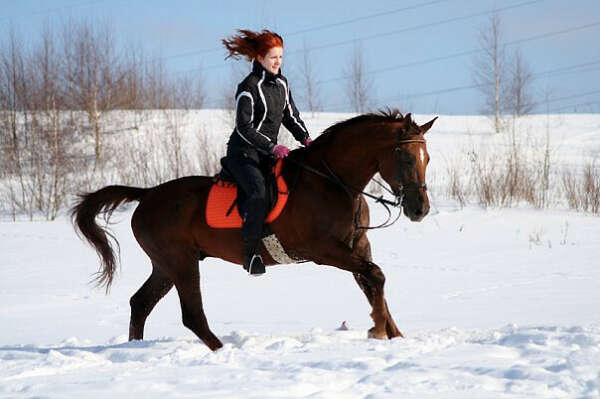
[83, 216]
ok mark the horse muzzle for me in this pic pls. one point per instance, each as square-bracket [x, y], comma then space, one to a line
[416, 206]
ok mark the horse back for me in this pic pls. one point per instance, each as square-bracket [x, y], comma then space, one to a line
[168, 209]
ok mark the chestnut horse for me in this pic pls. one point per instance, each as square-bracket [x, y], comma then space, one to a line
[322, 222]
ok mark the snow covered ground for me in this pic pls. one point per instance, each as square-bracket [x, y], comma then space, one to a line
[494, 303]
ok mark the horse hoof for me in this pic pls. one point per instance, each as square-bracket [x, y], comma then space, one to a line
[215, 346]
[399, 335]
[395, 334]
[376, 335]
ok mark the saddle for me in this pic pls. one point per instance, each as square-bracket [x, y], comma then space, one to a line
[221, 206]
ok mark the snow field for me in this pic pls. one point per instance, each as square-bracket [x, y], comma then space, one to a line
[496, 303]
[511, 362]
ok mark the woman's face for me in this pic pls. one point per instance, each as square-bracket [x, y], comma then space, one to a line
[272, 60]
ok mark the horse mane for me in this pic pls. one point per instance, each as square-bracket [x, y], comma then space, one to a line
[384, 115]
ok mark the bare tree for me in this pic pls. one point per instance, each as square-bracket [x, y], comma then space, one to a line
[311, 93]
[11, 73]
[51, 136]
[189, 92]
[34, 154]
[227, 95]
[58, 91]
[157, 95]
[518, 94]
[489, 71]
[94, 71]
[359, 87]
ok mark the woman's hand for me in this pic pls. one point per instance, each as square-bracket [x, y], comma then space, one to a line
[281, 151]
[307, 142]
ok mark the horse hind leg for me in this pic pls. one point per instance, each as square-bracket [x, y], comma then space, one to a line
[192, 311]
[145, 299]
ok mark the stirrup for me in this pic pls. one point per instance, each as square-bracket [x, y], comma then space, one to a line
[255, 267]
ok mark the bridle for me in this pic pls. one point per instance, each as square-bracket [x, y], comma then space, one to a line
[331, 176]
[410, 185]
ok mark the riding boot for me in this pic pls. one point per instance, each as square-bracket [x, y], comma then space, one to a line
[253, 262]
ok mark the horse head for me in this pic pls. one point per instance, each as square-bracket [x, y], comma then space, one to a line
[403, 166]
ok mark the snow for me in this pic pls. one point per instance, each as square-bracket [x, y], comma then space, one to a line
[494, 303]
[510, 362]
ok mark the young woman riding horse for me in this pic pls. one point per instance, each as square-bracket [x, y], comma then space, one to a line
[263, 101]
[324, 220]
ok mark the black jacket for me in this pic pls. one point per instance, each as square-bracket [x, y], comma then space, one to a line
[262, 102]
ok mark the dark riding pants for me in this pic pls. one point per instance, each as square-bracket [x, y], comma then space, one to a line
[252, 200]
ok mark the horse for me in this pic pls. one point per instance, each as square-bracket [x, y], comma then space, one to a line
[325, 220]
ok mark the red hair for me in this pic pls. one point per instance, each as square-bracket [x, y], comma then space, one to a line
[251, 44]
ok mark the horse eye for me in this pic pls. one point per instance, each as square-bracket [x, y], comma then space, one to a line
[407, 158]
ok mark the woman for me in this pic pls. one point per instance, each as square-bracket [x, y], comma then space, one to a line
[263, 101]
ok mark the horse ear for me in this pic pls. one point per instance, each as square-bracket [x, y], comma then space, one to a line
[424, 128]
[408, 117]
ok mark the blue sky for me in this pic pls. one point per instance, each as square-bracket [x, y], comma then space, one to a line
[412, 54]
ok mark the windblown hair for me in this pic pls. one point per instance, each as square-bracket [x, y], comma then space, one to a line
[251, 44]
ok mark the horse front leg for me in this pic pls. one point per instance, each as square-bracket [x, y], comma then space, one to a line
[371, 293]
[362, 248]
[341, 256]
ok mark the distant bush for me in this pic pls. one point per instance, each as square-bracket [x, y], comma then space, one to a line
[521, 170]
[40, 175]
[163, 150]
[503, 174]
[582, 190]
[59, 104]
[48, 159]
[456, 184]
[512, 173]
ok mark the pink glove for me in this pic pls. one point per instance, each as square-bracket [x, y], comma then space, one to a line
[307, 142]
[281, 151]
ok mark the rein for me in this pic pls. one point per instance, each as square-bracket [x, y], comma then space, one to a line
[332, 177]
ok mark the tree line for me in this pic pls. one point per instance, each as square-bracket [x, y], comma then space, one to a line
[82, 68]
[55, 98]
[61, 102]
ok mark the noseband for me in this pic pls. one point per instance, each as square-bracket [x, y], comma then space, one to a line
[331, 176]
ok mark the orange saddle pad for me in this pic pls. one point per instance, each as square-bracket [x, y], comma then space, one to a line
[223, 194]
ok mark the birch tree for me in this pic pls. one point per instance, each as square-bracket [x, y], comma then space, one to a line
[489, 72]
[359, 87]
[312, 95]
[519, 100]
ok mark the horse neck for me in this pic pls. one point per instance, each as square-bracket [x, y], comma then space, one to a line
[352, 155]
